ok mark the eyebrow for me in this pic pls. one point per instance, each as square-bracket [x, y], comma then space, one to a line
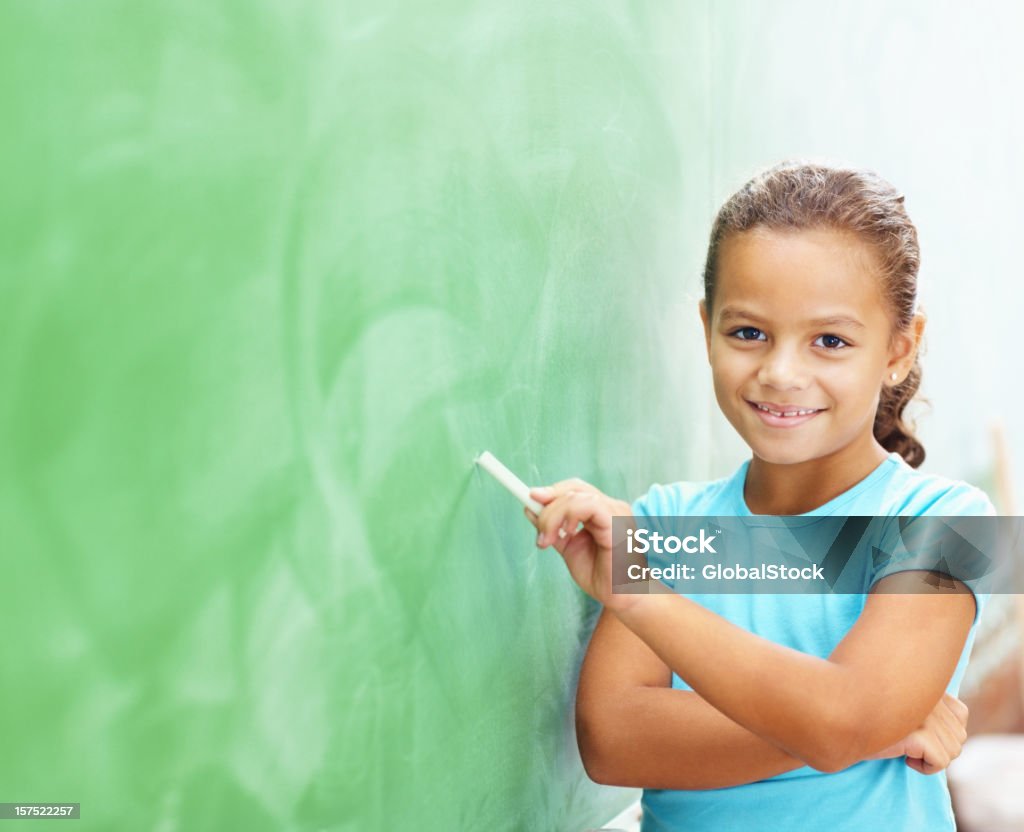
[729, 313]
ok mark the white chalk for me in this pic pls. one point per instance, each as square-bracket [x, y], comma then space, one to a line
[519, 489]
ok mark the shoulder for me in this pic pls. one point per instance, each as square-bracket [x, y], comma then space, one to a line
[913, 493]
[679, 499]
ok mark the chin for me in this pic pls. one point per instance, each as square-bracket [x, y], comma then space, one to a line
[781, 453]
[782, 458]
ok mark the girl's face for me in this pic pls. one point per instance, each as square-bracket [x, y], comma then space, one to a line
[801, 342]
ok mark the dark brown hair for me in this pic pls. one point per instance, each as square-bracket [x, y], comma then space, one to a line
[797, 195]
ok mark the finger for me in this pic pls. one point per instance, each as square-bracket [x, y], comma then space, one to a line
[543, 494]
[568, 544]
[587, 517]
[546, 493]
[958, 708]
[574, 507]
[936, 756]
[530, 516]
[566, 532]
[576, 484]
[942, 730]
[951, 743]
[560, 520]
[550, 521]
[923, 766]
[951, 721]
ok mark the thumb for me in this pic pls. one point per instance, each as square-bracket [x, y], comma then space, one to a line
[543, 494]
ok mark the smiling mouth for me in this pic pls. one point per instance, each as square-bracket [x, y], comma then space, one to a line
[788, 413]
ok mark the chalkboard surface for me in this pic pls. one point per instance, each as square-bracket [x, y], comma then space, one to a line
[271, 276]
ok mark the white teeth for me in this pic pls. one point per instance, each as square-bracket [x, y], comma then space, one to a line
[787, 413]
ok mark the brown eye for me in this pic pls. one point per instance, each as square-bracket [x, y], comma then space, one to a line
[747, 333]
[831, 342]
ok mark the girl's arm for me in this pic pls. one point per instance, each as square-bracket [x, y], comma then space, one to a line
[634, 730]
[878, 685]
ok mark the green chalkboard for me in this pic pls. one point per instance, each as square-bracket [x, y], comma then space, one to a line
[272, 274]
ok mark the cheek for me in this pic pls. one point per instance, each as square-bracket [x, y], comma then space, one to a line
[730, 363]
[725, 373]
[850, 385]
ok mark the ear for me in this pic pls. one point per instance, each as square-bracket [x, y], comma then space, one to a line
[703, 309]
[904, 349]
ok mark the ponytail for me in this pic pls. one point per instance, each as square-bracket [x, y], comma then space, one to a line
[890, 430]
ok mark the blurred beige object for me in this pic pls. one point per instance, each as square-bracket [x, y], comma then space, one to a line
[986, 780]
[1004, 477]
[993, 686]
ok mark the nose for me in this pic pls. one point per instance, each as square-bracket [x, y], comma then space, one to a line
[782, 370]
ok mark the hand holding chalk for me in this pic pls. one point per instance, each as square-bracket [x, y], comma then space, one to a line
[577, 522]
[516, 486]
[558, 512]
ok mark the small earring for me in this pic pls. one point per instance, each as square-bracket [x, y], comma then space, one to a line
[893, 376]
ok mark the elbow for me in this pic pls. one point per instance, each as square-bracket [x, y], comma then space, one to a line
[597, 757]
[828, 761]
[837, 743]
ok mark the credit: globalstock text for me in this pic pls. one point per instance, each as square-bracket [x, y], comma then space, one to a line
[717, 572]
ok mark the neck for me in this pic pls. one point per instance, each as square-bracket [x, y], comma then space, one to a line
[785, 489]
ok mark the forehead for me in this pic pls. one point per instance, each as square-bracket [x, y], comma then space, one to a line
[799, 275]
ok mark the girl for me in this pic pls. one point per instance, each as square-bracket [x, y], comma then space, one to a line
[784, 712]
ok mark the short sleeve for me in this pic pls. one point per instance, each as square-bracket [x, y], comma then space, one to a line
[948, 538]
[657, 502]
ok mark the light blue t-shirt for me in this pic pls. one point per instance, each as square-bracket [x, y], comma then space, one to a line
[884, 794]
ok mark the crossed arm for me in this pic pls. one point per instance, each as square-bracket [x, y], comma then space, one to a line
[634, 730]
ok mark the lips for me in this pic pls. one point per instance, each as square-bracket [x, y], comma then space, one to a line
[776, 415]
[785, 410]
